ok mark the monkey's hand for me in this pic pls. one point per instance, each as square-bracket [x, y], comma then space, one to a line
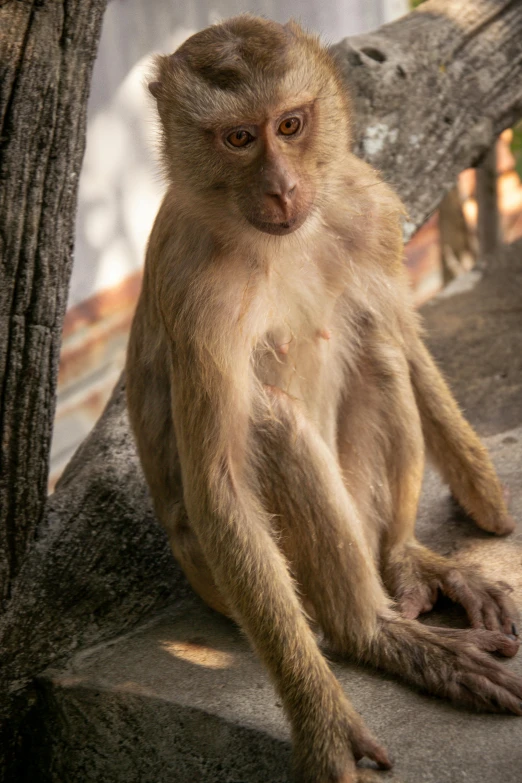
[450, 663]
[327, 751]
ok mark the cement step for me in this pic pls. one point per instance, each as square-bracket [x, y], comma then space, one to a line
[185, 700]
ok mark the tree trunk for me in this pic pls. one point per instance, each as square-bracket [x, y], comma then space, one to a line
[46, 62]
[431, 93]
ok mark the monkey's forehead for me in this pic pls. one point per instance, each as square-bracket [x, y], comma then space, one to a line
[195, 100]
[235, 48]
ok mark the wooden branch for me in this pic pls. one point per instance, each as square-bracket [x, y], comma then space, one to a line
[457, 246]
[432, 92]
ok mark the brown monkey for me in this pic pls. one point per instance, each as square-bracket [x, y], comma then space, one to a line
[281, 395]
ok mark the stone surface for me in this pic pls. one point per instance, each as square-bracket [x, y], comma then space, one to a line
[184, 699]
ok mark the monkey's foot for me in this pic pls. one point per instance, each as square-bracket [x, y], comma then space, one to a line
[414, 576]
[448, 662]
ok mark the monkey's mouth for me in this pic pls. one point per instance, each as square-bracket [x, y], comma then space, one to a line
[278, 229]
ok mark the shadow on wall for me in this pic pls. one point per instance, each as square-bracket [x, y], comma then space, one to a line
[120, 184]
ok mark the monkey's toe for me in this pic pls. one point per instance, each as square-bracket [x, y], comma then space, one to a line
[488, 641]
[488, 605]
[418, 599]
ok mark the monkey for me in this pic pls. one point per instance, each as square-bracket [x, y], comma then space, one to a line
[283, 401]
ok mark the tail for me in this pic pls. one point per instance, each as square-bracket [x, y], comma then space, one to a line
[455, 448]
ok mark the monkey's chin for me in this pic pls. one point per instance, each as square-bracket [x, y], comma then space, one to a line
[277, 229]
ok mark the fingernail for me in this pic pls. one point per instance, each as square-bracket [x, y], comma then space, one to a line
[510, 636]
[514, 629]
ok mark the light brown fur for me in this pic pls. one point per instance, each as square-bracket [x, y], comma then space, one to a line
[281, 395]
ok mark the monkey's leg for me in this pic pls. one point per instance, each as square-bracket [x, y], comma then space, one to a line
[455, 448]
[318, 525]
[319, 532]
[412, 573]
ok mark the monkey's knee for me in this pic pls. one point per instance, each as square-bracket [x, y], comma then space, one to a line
[187, 551]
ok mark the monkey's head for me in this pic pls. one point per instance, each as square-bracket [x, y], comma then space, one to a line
[254, 119]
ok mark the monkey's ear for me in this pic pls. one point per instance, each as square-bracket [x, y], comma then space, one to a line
[154, 88]
[293, 28]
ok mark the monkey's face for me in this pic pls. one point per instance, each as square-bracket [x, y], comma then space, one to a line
[254, 119]
[265, 171]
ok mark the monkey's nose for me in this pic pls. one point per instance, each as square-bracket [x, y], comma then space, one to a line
[282, 194]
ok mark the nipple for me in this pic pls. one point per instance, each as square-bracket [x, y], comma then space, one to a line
[324, 333]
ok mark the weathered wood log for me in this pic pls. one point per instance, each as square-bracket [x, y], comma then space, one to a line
[47, 50]
[46, 55]
[431, 91]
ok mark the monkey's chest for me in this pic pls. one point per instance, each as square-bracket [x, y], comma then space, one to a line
[300, 344]
[303, 363]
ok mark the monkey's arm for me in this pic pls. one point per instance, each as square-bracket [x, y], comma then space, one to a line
[454, 446]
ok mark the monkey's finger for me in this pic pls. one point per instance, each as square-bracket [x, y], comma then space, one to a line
[470, 603]
[492, 615]
[415, 602]
[455, 586]
[488, 641]
[507, 610]
[369, 747]
[496, 674]
[496, 641]
[499, 612]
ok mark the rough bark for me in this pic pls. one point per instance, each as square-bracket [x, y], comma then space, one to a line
[45, 70]
[432, 91]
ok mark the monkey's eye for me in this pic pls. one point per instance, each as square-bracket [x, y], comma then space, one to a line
[240, 138]
[290, 126]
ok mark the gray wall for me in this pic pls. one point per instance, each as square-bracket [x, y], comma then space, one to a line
[120, 186]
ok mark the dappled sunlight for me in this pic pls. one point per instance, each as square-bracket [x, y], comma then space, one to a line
[200, 654]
